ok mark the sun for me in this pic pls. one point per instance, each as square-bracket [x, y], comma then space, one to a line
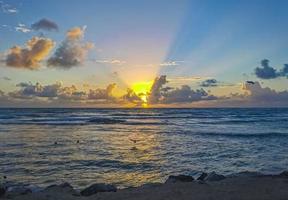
[142, 89]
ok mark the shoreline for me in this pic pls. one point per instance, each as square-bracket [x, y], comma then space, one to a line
[243, 185]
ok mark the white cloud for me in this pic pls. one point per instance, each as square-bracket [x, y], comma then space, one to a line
[112, 62]
[22, 28]
[7, 8]
[171, 63]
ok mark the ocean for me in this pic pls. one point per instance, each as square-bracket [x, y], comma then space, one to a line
[130, 147]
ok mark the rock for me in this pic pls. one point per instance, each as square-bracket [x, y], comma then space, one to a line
[246, 174]
[2, 190]
[98, 187]
[19, 190]
[63, 187]
[284, 174]
[214, 177]
[35, 189]
[179, 178]
[202, 176]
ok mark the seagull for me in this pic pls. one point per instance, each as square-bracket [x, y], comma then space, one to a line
[133, 140]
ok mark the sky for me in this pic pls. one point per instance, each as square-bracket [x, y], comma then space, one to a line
[164, 53]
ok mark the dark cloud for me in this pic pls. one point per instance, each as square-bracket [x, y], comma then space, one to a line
[59, 92]
[45, 24]
[209, 83]
[166, 95]
[265, 72]
[102, 93]
[132, 97]
[30, 56]
[268, 72]
[37, 90]
[156, 89]
[56, 94]
[185, 94]
[72, 51]
[284, 71]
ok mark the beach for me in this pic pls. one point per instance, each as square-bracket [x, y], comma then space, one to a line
[241, 186]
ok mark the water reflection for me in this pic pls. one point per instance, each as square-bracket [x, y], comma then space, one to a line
[132, 147]
[100, 155]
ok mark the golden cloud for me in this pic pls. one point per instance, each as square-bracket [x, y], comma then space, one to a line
[30, 56]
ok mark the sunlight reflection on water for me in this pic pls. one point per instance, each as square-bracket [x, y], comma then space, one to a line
[138, 146]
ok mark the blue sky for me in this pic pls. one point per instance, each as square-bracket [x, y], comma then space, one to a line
[224, 40]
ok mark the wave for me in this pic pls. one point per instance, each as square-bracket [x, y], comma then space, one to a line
[106, 121]
[236, 121]
[242, 135]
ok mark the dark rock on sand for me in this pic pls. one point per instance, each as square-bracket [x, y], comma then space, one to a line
[284, 174]
[246, 174]
[63, 187]
[18, 190]
[2, 190]
[179, 178]
[202, 176]
[214, 177]
[98, 187]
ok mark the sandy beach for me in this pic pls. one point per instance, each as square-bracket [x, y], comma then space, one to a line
[242, 186]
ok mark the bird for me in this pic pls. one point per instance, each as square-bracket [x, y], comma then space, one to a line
[133, 140]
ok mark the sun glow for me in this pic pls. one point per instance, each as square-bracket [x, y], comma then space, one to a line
[142, 89]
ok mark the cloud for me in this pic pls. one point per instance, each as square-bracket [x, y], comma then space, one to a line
[209, 83]
[166, 95]
[132, 97]
[72, 51]
[186, 95]
[112, 62]
[56, 92]
[268, 72]
[6, 78]
[30, 56]
[45, 25]
[171, 63]
[284, 71]
[254, 96]
[260, 94]
[22, 28]
[37, 90]
[7, 8]
[75, 33]
[102, 93]
[156, 89]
